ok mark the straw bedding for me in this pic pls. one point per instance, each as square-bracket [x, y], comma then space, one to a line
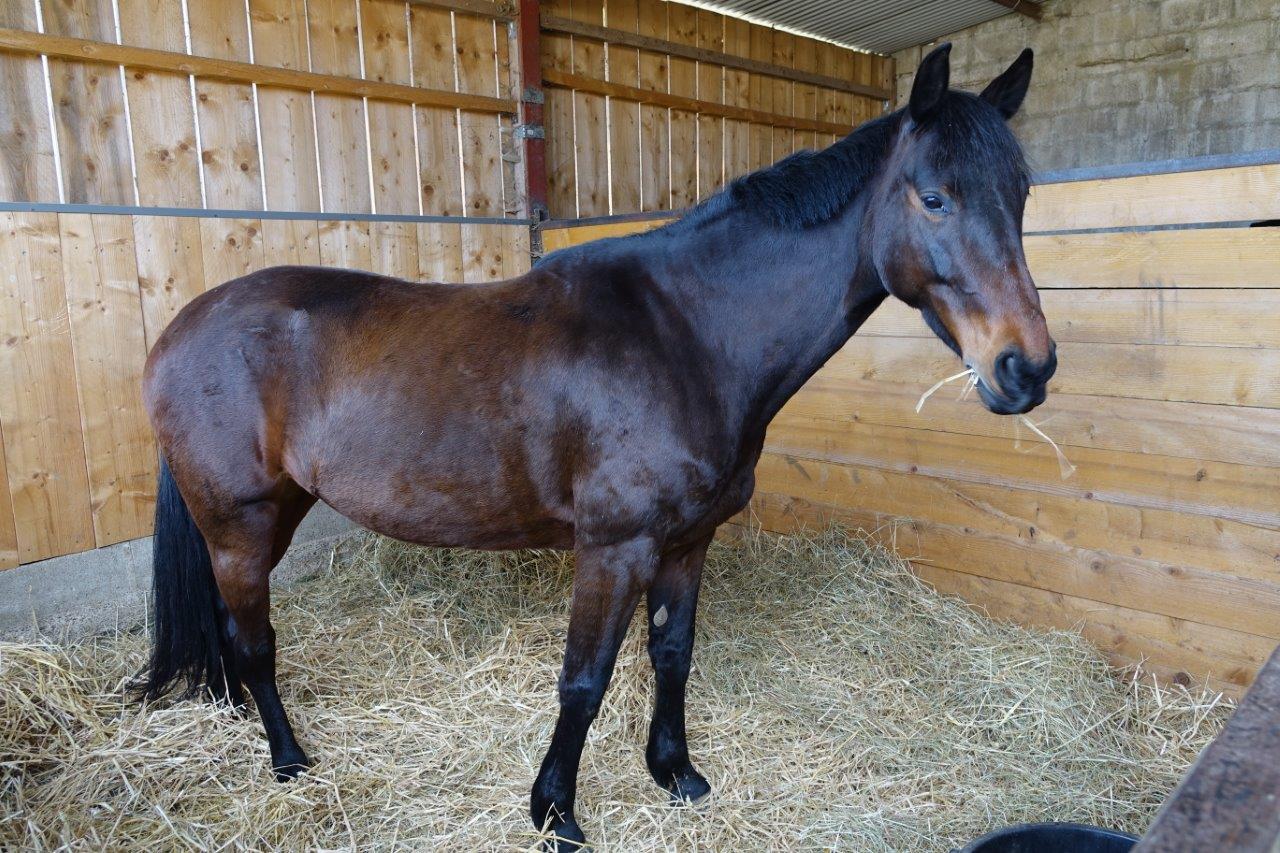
[836, 703]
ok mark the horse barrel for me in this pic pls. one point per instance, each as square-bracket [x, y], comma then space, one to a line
[1052, 838]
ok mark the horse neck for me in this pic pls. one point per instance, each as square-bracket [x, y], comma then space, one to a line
[773, 304]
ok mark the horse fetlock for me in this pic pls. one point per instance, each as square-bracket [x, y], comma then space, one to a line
[290, 765]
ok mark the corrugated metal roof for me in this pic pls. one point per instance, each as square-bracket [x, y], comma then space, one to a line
[880, 26]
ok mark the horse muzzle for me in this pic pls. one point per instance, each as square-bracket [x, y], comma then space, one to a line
[1022, 382]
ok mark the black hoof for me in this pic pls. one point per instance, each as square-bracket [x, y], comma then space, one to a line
[568, 838]
[289, 769]
[686, 785]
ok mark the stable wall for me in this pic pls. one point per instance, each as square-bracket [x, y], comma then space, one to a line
[1164, 546]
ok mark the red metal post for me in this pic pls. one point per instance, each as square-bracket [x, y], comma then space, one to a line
[531, 130]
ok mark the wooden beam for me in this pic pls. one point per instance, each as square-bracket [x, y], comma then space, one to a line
[533, 137]
[1024, 7]
[578, 83]
[1231, 798]
[499, 10]
[22, 41]
[553, 23]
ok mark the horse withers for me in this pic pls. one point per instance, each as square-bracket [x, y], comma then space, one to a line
[613, 400]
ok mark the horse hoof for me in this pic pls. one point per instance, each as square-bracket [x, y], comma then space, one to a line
[288, 770]
[566, 838]
[688, 786]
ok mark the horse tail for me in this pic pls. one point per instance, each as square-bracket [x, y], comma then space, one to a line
[186, 640]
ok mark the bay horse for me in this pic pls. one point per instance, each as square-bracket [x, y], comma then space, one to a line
[613, 400]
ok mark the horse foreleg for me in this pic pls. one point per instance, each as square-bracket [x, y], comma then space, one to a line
[673, 604]
[607, 585]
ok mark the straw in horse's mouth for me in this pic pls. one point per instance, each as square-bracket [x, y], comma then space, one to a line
[1064, 465]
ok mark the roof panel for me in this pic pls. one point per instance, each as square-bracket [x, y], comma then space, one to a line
[880, 26]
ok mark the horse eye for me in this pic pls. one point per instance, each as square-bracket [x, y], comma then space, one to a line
[932, 202]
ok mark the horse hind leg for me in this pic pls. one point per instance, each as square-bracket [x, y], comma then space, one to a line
[244, 548]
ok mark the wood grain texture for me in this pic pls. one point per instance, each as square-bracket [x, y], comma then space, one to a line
[346, 244]
[440, 252]
[230, 248]
[27, 171]
[655, 131]
[760, 96]
[170, 268]
[590, 137]
[288, 125]
[784, 139]
[39, 409]
[393, 249]
[100, 273]
[482, 184]
[385, 31]
[683, 28]
[483, 249]
[710, 89]
[439, 157]
[623, 66]
[294, 242]
[9, 557]
[737, 91]
[342, 142]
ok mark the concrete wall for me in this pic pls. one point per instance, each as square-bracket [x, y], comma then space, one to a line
[1121, 81]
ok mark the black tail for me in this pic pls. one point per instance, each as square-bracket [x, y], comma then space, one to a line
[184, 603]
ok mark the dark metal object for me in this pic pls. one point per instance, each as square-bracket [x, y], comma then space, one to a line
[1052, 838]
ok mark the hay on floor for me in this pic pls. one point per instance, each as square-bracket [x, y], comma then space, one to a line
[836, 703]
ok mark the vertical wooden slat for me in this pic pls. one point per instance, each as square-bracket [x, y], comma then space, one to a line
[439, 164]
[385, 30]
[590, 136]
[295, 242]
[562, 186]
[784, 140]
[482, 253]
[88, 107]
[228, 129]
[760, 97]
[8, 530]
[683, 29]
[394, 249]
[39, 410]
[805, 104]
[655, 142]
[515, 252]
[623, 66]
[101, 278]
[737, 91]
[340, 129]
[345, 244]
[170, 268]
[481, 140]
[166, 161]
[288, 132]
[27, 171]
[710, 88]
[230, 248]
[440, 252]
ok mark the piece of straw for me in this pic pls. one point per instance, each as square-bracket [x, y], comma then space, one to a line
[927, 394]
[1064, 464]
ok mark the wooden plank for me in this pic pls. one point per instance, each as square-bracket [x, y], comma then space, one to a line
[555, 23]
[560, 238]
[655, 123]
[623, 66]
[590, 136]
[480, 132]
[1243, 493]
[170, 268]
[294, 242]
[1232, 376]
[1237, 434]
[385, 30]
[1198, 257]
[230, 248]
[101, 277]
[1005, 509]
[710, 90]
[683, 28]
[211, 67]
[288, 124]
[27, 170]
[1215, 195]
[8, 529]
[440, 252]
[784, 138]
[1189, 317]
[737, 92]
[499, 10]
[224, 110]
[761, 97]
[88, 109]
[393, 248]
[1228, 800]
[805, 97]
[516, 255]
[346, 244]
[482, 253]
[340, 120]
[39, 409]
[439, 158]
[562, 187]
[1176, 650]
[161, 117]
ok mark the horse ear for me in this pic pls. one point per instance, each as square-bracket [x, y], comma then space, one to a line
[931, 81]
[1006, 92]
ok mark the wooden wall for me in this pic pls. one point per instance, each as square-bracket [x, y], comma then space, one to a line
[1164, 546]
[376, 106]
[640, 129]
